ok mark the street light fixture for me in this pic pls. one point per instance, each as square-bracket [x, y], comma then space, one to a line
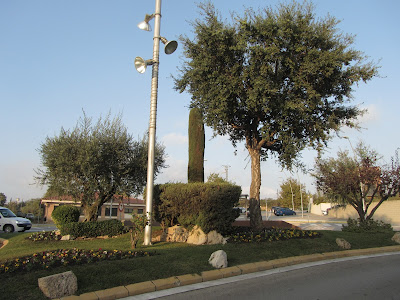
[144, 25]
[140, 65]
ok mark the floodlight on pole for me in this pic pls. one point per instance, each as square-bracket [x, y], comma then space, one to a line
[144, 25]
[170, 46]
[140, 65]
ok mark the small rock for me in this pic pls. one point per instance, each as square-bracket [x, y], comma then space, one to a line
[396, 238]
[342, 243]
[218, 259]
[59, 285]
[66, 237]
[213, 238]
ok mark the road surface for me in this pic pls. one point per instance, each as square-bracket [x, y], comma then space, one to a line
[367, 277]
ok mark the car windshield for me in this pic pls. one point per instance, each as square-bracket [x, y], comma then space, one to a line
[6, 213]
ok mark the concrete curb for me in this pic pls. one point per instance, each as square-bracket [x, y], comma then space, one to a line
[171, 282]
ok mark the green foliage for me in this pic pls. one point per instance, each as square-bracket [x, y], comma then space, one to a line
[3, 199]
[139, 223]
[93, 229]
[65, 214]
[94, 162]
[196, 146]
[64, 257]
[215, 178]
[370, 226]
[291, 187]
[208, 205]
[44, 236]
[279, 80]
[270, 235]
[358, 179]
[33, 206]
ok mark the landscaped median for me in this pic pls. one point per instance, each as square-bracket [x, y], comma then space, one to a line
[182, 280]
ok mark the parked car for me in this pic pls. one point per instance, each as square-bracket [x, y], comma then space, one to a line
[29, 216]
[275, 208]
[284, 211]
[9, 222]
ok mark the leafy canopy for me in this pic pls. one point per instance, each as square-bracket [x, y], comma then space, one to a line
[278, 79]
[94, 162]
[359, 180]
[291, 189]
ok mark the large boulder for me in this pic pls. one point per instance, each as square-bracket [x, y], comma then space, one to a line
[197, 236]
[342, 243]
[177, 234]
[218, 259]
[59, 285]
[396, 238]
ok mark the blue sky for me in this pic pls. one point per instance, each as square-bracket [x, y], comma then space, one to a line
[58, 58]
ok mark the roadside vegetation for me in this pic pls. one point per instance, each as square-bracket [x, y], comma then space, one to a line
[161, 260]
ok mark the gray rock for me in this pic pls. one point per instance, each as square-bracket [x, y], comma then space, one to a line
[214, 238]
[396, 238]
[58, 285]
[218, 259]
[342, 243]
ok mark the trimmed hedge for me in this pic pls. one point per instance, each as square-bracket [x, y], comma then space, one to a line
[208, 205]
[93, 229]
[65, 214]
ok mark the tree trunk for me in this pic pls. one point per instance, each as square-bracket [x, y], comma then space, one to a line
[255, 210]
[90, 212]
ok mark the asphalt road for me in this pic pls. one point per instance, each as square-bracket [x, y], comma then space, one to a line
[372, 277]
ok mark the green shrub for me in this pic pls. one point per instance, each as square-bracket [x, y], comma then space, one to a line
[65, 214]
[93, 229]
[208, 205]
[367, 226]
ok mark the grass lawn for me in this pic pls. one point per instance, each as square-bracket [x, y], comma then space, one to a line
[172, 259]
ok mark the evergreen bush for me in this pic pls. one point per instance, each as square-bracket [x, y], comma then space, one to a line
[208, 205]
[93, 229]
[370, 225]
[65, 214]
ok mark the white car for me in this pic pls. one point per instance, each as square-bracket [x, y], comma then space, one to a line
[9, 222]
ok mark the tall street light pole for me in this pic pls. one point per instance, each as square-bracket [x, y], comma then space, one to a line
[140, 65]
[152, 123]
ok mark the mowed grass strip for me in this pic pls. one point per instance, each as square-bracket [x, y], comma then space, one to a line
[172, 259]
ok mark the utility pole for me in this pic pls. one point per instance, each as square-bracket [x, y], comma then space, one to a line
[226, 171]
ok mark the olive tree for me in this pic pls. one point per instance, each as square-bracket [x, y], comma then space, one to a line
[94, 162]
[278, 80]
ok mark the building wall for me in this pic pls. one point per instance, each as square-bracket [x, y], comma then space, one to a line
[388, 212]
[125, 214]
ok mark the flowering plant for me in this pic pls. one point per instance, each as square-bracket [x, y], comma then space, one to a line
[65, 257]
[45, 236]
[270, 234]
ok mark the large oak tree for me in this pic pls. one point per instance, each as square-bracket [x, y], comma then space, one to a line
[279, 80]
[94, 162]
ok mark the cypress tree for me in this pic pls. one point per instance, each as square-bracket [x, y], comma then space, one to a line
[196, 146]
